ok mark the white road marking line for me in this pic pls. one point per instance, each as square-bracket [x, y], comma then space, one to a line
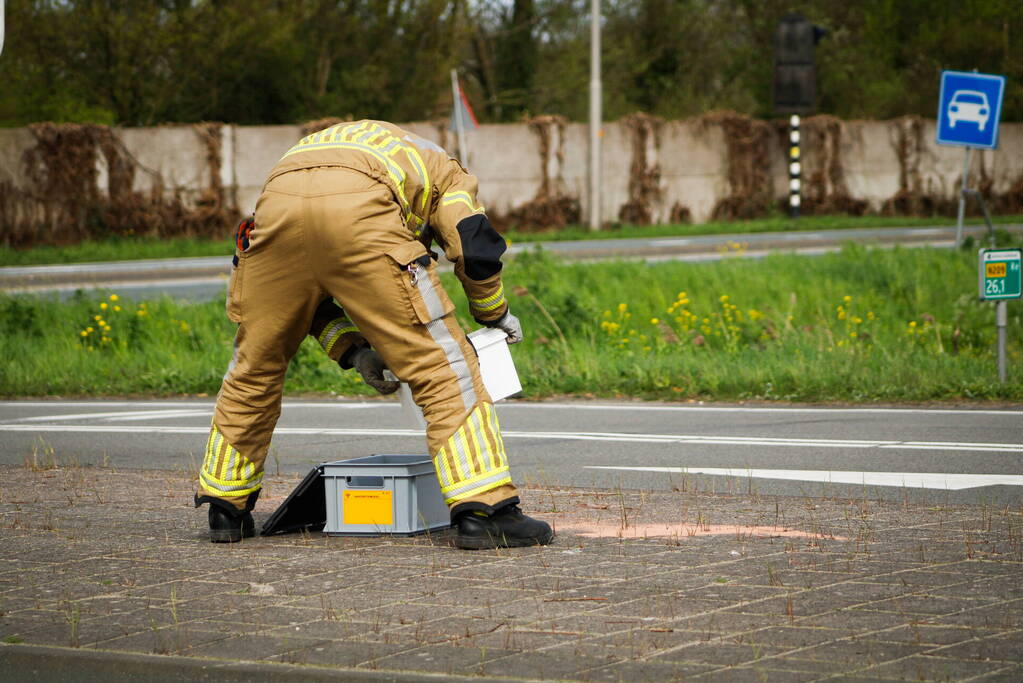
[923, 480]
[532, 405]
[119, 415]
[559, 436]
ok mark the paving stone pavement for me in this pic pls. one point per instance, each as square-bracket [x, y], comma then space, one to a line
[107, 572]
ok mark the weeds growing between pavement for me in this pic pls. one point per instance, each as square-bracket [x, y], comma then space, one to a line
[860, 325]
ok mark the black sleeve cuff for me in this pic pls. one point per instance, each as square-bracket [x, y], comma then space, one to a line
[482, 247]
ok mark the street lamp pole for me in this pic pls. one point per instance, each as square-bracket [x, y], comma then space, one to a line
[596, 116]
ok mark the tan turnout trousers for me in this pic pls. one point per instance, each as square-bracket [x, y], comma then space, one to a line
[332, 231]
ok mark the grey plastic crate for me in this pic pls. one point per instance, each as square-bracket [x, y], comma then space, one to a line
[383, 494]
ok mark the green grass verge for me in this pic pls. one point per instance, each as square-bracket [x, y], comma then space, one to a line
[860, 325]
[773, 224]
[124, 249]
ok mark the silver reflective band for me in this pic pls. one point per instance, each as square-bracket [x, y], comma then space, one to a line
[439, 331]
[247, 484]
[499, 475]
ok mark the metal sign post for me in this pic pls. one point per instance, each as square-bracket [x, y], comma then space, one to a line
[999, 279]
[2, 27]
[969, 108]
[596, 116]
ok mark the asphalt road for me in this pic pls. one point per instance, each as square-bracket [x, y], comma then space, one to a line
[937, 455]
[203, 278]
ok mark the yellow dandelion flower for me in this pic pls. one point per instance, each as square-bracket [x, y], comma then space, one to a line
[847, 298]
[84, 333]
[841, 315]
[97, 318]
[89, 329]
[114, 297]
[607, 314]
[870, 315]
[622, 308]
[654, 321]
[103, 305]
[723, 298]
[857, 320]
[912, 323]
[117, 308]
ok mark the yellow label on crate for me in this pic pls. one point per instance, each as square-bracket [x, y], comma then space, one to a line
[994, 269]
[368, 507]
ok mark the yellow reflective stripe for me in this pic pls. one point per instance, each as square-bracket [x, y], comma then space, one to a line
[218, 460]
[240, 481]
[462, 196]
[488, 303]
[413, 155]
[502, 453]
[493, 436]
[333, 331]
[209, 449]
[472, 462]
[477, 442]
[497, 296]
[444, 468]
[239, 466]
[218, 488]
[475, 481]
[462, 461]
[476, 486]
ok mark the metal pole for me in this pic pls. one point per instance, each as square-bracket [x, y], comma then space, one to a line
[962, 197]
[2, 27]
[596, 116]
[456, 113]
[1001, 322]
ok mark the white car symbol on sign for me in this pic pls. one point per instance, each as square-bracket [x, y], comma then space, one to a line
[968, 105]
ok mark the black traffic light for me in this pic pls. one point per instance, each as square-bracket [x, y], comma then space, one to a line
[795, 80]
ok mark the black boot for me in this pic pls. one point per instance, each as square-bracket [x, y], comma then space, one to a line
[228, 527]
[507, 527]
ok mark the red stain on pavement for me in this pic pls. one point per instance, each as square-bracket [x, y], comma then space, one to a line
[682, 531]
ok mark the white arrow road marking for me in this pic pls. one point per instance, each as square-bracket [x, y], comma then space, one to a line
[557, 436]
[922, 480]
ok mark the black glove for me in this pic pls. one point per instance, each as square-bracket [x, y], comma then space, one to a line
[371, 367]
[511, 326]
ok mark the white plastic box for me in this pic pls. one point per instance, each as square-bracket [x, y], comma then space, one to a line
[383, 494]
[496, 364]
[496, 367]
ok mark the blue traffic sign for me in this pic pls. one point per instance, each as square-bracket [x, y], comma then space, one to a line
[969, 108]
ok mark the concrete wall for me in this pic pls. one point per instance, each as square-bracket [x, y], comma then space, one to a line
[666, 168]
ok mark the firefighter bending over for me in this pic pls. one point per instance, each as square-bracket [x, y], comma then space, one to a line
[347, 215]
